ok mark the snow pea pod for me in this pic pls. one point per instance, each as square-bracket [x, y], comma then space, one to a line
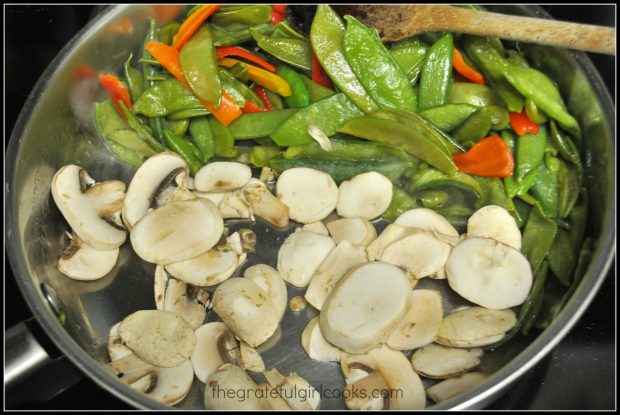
[167, 31]
[149, 70]
[295, 52]
[448, 117]
[185, 149]
[475, 128]
[436, 74]
[224, 140]
[569, 187]
[274, 99]
[401, 202]
[189, 113]
[521, 212]
[164, 98]
[410, 59]
[326, 36]
[200, 130]
[223, 37]
[235, 19]
[240, 71]
[532, 308]
[562, 257]
[515, 188]
[259, 124]
[530, 152]
[178, 127]
[429, 178]
[433, 199]
[534, 113]
[494, 193]
[199, 65]
[246, 92]
[545, 190]
[142, 130]
[376, 69]
[564, 144]
[346, 148]
[114, 129]
[327, 114]
[473, 94]
[260, 155]
[300, 98]
[578, 219]
[537, 237]
[134, 80]
[316, 92]
[284, 29]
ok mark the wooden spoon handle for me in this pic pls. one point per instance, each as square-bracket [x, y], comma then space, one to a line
[527, 29]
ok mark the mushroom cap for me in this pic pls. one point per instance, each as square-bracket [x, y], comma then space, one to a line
[311, 195]
[301, 254]
[494, 222]
[82, 262]
[366, 195]
[428, 220]
[222, 176]
[215, 346]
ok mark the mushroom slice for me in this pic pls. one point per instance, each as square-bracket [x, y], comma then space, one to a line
[494, 222]
[116, 349]
[273, 398]
[248, 240]
[358, 231]
[130, 368]
[228, 379]
[367, 393]
[246, 309]
[439, 362]
[364, 307]
[172, 335]
[421, 322]
[171, 385]
[429, 220]
[86, 208]
[251, 359]
[188, 301]
[268, 279]
[489, 273]
[390, 234]
[420, 254]
[177, 231]
[475, 327]
[311, 195]
[295, 390]
[215, 198]
[264, 204]
[215, 345]
[151, 178]
[234, 206]
[221, 176]
[340, 260]
[300, 256]
[160, 284]
[316, 227]
[206, 269]
[315, 344]
[450, 388]
[366, 195]
[82, 262]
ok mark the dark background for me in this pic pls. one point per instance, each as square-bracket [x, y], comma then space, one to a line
[33, 37]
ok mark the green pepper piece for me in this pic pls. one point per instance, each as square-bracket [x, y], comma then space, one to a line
[133, 77]
[178, 127]
[538, 237]
[295, 52]
[274, 99]
[429, 178]
[326, 35]
[401, 202]
[199, 65]
[142, 130]
[149, 70]
[342, 169]
[375, 67]
[448, 117]
[260, 155]
[259, 124]
[410, 59]
[240, 71]
[300, 98]
[475, 128]
[545, 190]
[224, 140]
[200, 130]
[284, 29]
[564, 144]
[530, 152]
[562, 257]
[223, 37]
[534, 113]
[436, 73]
[189, 113]
[164, 98]
[346, 148]
[540, 88]
[185, 149]
[327, 114]
[395, 134]
[235, 19]
[167, 32]
[316, 92]
[514, 188]
[473, 94]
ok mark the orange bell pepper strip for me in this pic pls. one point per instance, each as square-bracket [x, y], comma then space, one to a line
[252, 107]
[191, 25]
[168, 56]
[318, 73]
[465, 70]
[225, 51]
[116, 90]
[260, 91]
[522, 124]
[269, 80]
[490, 157]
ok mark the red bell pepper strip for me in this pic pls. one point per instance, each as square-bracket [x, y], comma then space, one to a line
[225, 51]
[318, 73]
[116, 90]
[252, 107]
[191, 25]
[260, 91]
[465, 70]
[276, 17]
[522, 124]
[490, 157]
[279, 8]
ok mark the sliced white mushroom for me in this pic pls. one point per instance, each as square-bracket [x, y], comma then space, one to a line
[231, 379]
[420, 324]
[222, 176]
[235, 206]
[116, 348]
[264, 204]
[358, 231]
[489, 273]
[301, 254]
[248, 240]
[368, 393]
[160, 283]
[268, 279]
[311, 195]
[82, 262]
[171, 385]
[475, 327]
[205, 270]
[130, 368]
[439, 362]
[419, 254]
[250, 358]
[355, 367]
[340, 260]
[320, 137]
[298, 393]
[316, 346]
[161, 338]
[215, 198]
[246, 309]
[89, 208]
[215, 345]
[390, 234]
[366, 195]
[316, 227]
[429, 220]
[273, 398]
[188, 301]
[364, 307]
[494, 222]
[177, 231]
[152, 177]
[450, 388]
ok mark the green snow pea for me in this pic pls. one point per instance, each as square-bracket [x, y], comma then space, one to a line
[430, 178]
[432, 199]
[562, 257]
[326, 36]
[494, 193]
[586, 251]
[188, 113]
[224, 140]
[142, 130]
[530, 153]
[545, 190]
[165, 98]
[474, 128]
[448, 117]
[578, 219]
[515, 188]
[247, 94]
[199, 65]
[327, 114]
[534, 113]
[473, 94]
[240, 18]
[300, 98]
[436, 74]
[538, 237]
[514, 57]
[376, 69]
[410, 59]
[295, 52]
[200, 130]
[521, 212]
[564, 144]
[259, 124]
[223, 37]
[240, 71]
[134, 80]
[316, 92]
[284, 29]
[129, 156]
[347, 148]
[167, 32]
[261, 155]
[178, 127]
[274, 99]
[509, 137]
[149, 70]
[185, 149]
[401, 202]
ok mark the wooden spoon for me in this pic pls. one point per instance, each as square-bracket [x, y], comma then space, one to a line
[396, 22]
